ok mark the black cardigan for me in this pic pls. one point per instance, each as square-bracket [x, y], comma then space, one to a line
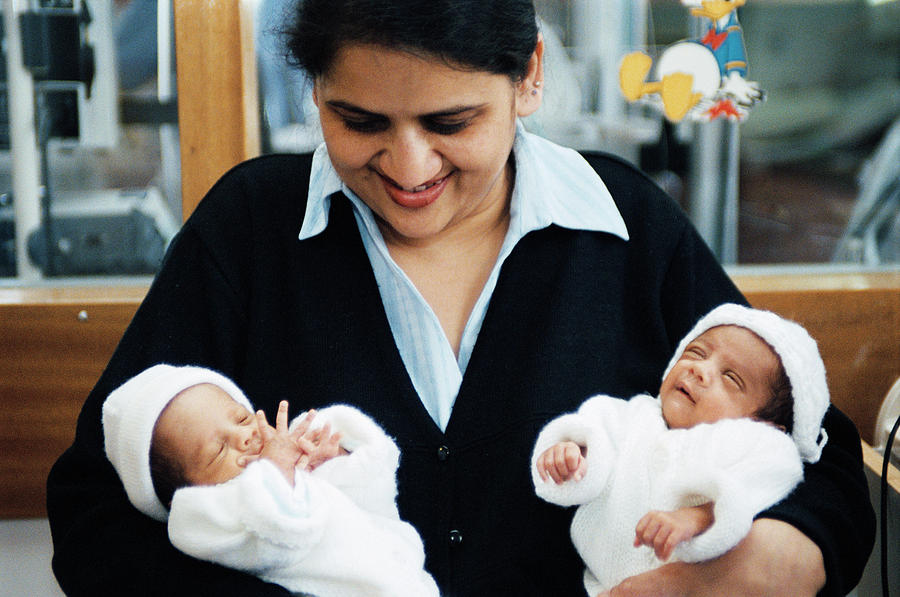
[574, 313]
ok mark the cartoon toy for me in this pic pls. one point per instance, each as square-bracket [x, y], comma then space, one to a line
[701, 78]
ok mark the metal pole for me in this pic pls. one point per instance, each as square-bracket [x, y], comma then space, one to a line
[713, 183]
[25, 154]
[713, 186]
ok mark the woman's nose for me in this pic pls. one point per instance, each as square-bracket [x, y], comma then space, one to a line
[409, 159]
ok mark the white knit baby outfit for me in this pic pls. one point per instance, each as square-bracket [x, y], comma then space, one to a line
[636, 464]
[335, 533]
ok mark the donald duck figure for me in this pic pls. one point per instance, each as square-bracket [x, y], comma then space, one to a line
[703, 78]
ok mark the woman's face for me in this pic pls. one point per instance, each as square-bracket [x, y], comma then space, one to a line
[426, 146]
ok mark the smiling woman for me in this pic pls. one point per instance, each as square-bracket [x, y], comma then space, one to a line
[433, 168]
[400, 150]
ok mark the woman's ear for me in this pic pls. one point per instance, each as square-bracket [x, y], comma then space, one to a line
[530, 91]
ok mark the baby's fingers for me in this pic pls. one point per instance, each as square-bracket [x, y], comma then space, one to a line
[332, 445]
[664, 549]
[246, 459]
[322, 434]
[646, 529]
[265, 430]
[281, 417]
[303, 426]
[663, 543]
[546, 466]
[305, 445]
[568, 463]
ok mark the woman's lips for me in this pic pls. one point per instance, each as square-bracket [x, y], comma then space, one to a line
[420, 196]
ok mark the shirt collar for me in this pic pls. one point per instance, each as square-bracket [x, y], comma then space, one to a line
[556, 185]
[553, 185]
[323, 183]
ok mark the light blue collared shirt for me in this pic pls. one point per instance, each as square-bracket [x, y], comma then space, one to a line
[553, 185]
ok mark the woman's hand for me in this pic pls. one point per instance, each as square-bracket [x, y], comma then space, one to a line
[774, 559]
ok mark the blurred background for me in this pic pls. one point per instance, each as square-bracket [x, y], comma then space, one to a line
[89, 157]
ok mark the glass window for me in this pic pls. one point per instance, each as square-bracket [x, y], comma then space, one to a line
[89, 158]
[811, 176]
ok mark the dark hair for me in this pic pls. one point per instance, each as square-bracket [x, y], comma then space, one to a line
[779, 410]
[166, 474]
[495, 36]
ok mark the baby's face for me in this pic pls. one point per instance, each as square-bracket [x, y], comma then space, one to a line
[724, 373]
[208, 433]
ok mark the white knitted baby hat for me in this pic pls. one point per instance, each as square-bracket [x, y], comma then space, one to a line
[800, 356]
[129, 415]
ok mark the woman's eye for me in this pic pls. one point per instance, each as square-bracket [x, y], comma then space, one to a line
[446, 127]
[366, 125]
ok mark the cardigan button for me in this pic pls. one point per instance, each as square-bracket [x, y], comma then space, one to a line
[455, 537]
[443, 453]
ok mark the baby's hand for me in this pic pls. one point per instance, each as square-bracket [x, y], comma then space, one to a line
[278, 444]
[663, 531]
[318, 446]
[562, 462]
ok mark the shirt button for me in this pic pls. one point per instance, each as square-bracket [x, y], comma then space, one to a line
[443, 453]
[455, 537]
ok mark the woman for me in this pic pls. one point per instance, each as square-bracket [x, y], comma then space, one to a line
[462, 282]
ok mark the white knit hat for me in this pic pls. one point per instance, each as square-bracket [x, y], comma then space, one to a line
[802, 363]
[129, 416]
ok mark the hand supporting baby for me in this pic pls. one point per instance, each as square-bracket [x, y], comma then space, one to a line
[303, 447]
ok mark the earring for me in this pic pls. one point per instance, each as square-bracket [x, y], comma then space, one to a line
[537, 85]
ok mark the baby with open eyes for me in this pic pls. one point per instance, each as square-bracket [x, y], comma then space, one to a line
[309, 505]
[682, 475]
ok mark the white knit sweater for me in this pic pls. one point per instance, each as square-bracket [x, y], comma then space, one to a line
[636, 464]
[336, 533]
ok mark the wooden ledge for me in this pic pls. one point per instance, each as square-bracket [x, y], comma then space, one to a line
[816, 279]
[55, 342]
[69, 295]
[854, 317]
